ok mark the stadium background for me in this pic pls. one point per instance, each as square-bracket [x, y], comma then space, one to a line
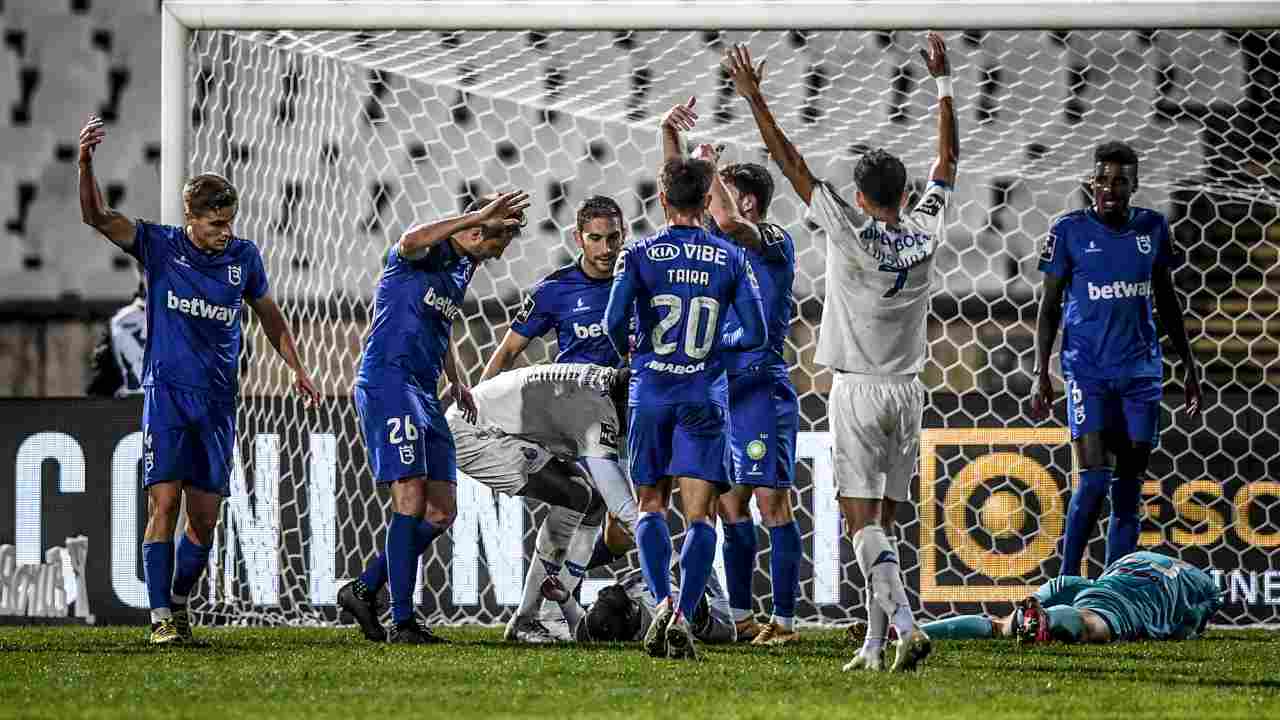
[1213, 97]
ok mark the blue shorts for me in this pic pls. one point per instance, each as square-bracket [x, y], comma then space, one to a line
[687, 439]
[405, 434]
[188, 437]
[1128, 405]
[765, 416]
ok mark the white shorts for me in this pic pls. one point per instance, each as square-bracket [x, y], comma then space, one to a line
[501, 462]
[875, 426]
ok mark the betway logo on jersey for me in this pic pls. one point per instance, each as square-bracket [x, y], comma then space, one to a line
[443, 304]
[1119, 289]
[200, 308]
[584, 332]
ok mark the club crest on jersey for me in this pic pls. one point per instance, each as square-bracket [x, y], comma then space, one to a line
[406, 454]
[233, 274]
[662, 252]
[1144, 244]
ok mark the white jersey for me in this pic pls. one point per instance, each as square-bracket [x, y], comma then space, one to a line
[878, 283]
[563, 407]
[128, 345]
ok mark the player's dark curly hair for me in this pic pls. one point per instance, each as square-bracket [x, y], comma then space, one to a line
[208, 192]
[1115, 151]
[754, 180]
[686, 183]
[881, 177]
[598, 206]
[613, 617]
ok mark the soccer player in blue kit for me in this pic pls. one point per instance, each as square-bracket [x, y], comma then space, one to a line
[571, 300]
[198, 278]
[763, 407]
[680, 284]
[1103, 266]
[403, 424]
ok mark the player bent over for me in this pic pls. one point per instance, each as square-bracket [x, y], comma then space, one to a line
[624, 612]
[535, 430]
[679, 284]
[424, 281]
[1142, 596]
[198, 278]
[879, 278]
[1106, 268]
[763, 407]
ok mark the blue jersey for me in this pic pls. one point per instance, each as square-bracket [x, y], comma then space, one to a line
[680, 285]
[1148, 595]
[775, 270]
[1108, 327]
[413, 316]
[194, 301]
[572, 304]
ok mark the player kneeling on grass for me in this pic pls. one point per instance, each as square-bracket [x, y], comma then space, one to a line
[1141, 596]
[624, 611]
[533, 432]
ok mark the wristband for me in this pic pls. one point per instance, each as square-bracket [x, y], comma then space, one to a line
[944, 86]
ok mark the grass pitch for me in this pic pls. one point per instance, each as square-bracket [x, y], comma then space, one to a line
[76, 672]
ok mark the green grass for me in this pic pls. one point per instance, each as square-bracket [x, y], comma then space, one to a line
[66, 672]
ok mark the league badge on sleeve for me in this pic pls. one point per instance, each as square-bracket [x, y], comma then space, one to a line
[526, 309]
[1048, 246]
[931, 205]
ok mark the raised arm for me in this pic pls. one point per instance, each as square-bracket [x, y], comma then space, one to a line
[746, 80]
[458, 389]
[281, 338]
[1169, 308]
[680, 118]
[503, 212]
[1047, 322]
[935, 58]
[513, 344]
[725, 211]
[116, 227]
[617, 316]
[752, 334]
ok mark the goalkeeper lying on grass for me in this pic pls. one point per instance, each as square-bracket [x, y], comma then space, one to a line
[1141, 596]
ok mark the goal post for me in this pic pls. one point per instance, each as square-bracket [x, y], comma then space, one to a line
[345, 122]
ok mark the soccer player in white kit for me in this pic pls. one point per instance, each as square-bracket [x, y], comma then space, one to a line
[537, 432]
[879, 272]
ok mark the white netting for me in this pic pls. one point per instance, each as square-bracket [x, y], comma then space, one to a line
[341, 140]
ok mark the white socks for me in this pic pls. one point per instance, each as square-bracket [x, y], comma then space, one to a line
[878, 558]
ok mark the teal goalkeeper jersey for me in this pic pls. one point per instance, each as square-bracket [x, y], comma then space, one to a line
[1148, 595]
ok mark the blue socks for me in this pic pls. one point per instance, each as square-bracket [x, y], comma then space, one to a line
[1122, 537]
[739, 562]
[191, 561]
[696, 560]
[375, 573]
[157, 567]
[402, 564]
[1082, 517]
[784, 568]
[965, 627]
[653, 536]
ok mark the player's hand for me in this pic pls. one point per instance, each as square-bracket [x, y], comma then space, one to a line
[461, 395]
[310, 395]
[745, 75]
[90, 137]
[1191, 390]
[708, 152]
[1042, 399]
[935, 58]
[681, 118]
[504, 213]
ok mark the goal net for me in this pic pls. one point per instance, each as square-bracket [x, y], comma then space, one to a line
[340, 140]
